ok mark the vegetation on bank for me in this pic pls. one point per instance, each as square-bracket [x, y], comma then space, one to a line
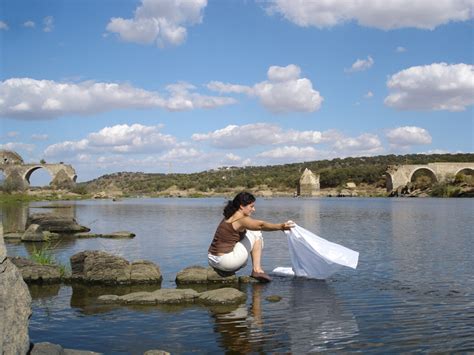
[335, 173]
[368, 173]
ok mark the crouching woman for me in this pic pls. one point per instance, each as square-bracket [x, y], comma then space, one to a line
[238, 236]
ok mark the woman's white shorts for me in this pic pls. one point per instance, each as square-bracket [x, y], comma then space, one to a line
[237, 258]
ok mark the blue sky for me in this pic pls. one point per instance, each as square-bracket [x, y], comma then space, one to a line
[185, 86]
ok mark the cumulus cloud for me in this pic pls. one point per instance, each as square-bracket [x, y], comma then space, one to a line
[361, 65]
[161, 22]
[400, 49]
[29, 24]
[393, 14]
[234, 137]
[3, 26]
[290, 153]
[48, 23]
[118, 139]
[26, 98]
[17, 146]
[12, 134]
[408, 136]
[369, 95]
[284, 91]
[438, 86]
[364, 144]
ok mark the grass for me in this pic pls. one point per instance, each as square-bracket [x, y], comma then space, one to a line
[44, 256]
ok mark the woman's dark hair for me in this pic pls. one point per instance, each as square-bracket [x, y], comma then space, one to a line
[242, 199]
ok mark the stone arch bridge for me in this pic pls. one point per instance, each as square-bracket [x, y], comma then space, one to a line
[400, 175]
[18, 174]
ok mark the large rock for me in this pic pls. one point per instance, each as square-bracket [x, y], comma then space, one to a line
[202, 275]
[33, 272]
[15, 306]
[56, 223]
[222, 296]
[102, 268]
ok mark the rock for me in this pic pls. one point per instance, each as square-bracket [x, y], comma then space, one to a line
[221, 296]
[100, 267]
[273, 298]
[202, 275]
[248, 280]
[13, 236]
[114, 235]
[55, 223]
[145, 272]
[15, 306]
[47, 348]
[156, 352]
[36, 273]
[35, 233]
[163, 296]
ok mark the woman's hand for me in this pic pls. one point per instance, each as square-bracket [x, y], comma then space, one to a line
[287, 225]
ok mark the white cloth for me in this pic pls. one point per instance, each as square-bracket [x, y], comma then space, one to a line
[315, 257]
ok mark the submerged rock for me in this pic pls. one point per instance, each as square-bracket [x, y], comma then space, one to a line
[99, 267]
[33, 272]
[113, 235]
[47, 348]
[56, 223]
[221, 296]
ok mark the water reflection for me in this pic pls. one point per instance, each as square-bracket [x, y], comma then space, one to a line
[14, 216]
[316, 317]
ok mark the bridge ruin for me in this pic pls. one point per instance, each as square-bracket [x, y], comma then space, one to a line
[400, 175]
[17, 173]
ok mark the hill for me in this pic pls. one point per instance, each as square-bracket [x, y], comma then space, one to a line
[367, 172]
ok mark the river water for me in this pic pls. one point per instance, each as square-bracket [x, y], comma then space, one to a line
[413, 289]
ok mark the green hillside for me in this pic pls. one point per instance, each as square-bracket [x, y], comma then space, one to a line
[333, 173]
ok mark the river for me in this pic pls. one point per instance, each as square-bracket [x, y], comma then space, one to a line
[413, 289]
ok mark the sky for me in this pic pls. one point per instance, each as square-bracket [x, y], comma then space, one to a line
[171, 86]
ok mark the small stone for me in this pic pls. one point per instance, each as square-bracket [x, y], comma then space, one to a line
[227, 295]
[273, 298]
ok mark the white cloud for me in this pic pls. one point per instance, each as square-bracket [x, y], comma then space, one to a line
[3, 26]
[407, 136]
[118, 139]
[48, 23]
[290, 153]
[29, 24]
[365, 143]
[361, 65]
[181, 154]
[400, 49]
[159, 21]
[17, 146]
[233, 136]
[12, 134]
[284, 92]
[27, 98]
[369, 95]
[39, 137]
[391, 14]
[438, 86]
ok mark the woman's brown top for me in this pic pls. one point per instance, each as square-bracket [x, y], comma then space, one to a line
[225, 239]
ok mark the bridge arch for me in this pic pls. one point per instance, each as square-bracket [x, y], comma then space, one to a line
[31, 170]
[429, 172]
[465, 171]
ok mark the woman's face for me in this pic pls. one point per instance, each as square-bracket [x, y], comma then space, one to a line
[247, 210]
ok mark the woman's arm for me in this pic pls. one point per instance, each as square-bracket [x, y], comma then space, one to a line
[257, 225]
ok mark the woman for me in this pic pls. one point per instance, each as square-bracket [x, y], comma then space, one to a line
[238, 235]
